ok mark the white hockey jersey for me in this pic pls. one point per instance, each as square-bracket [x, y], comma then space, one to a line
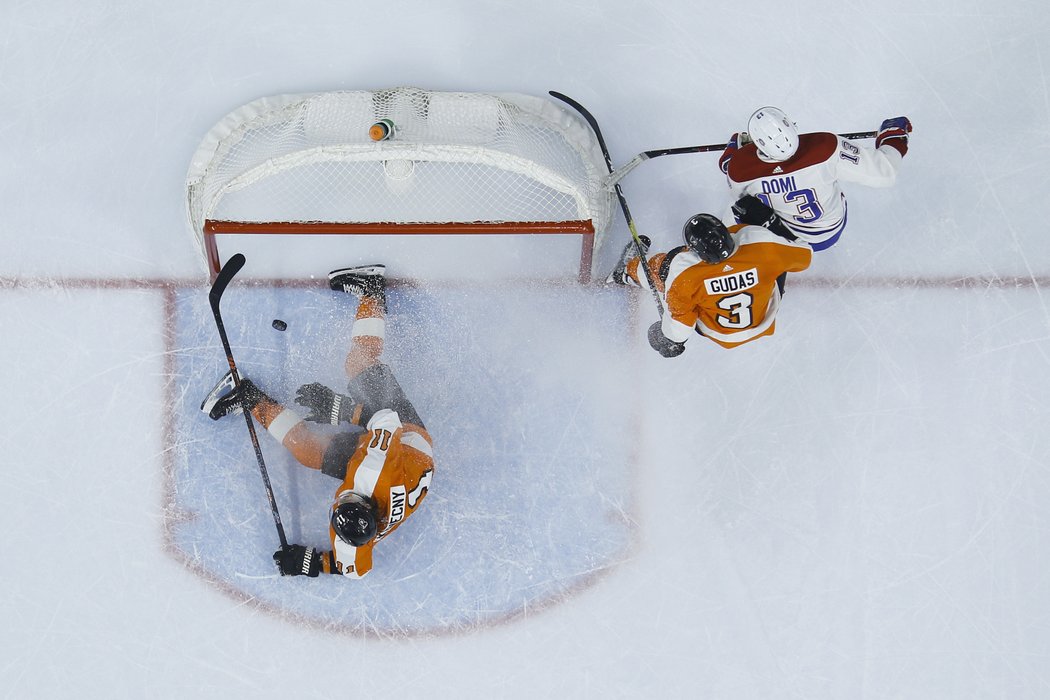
[804, 190]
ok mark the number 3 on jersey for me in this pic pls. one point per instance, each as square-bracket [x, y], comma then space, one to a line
[805, 202]
[738, 306]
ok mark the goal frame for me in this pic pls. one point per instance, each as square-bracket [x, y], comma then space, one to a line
[592, 199]
[581, 227]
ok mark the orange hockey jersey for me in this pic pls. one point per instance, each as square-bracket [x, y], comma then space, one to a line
[731, 302]
[393, 464]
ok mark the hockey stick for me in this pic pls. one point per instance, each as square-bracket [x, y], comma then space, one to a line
[619, 195]
[618, 174]
[226, 274]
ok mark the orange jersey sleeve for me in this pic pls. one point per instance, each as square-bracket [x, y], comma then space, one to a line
[734, 301]
[393, 464]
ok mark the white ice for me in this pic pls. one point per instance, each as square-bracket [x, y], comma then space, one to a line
[854, 508]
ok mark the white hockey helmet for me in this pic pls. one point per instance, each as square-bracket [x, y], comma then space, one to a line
[774, 134]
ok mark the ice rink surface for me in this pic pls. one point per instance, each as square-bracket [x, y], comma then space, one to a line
[853, 508]
[530, 500]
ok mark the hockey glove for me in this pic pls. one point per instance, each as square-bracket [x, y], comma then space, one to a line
[749, 209]
[325, 405]
[894, 132]
[662, 344]
[297, 560]
[727, 155]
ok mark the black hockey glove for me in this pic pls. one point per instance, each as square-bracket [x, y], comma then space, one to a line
[325, 405]
[662, 344]
[749, 209]
[297, 560]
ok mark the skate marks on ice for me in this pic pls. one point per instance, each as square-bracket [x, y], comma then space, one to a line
[521, 391]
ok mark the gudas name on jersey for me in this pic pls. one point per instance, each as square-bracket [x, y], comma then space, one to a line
[731, 283]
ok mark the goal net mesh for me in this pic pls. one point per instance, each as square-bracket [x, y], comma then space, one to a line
[452, 157]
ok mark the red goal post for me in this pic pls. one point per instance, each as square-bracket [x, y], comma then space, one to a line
[514, 179]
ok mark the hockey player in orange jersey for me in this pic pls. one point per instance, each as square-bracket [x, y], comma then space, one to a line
[724, 283]
[385, 471]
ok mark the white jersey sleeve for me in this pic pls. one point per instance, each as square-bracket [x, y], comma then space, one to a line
[867, 166]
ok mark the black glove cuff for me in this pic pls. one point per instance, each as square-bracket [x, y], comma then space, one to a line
[297, 560]
[342, 409]
[311, 563]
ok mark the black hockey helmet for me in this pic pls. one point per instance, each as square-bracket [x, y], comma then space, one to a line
[709, 238]
[354, 518]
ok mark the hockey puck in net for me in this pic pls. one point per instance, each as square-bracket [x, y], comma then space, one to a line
[279, 324]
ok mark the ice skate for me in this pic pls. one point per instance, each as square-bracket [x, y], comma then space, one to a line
[619, 273]
[363, 280]
[218, 403]
[225, 399]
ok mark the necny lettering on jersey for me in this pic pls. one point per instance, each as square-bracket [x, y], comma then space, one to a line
[398, 496]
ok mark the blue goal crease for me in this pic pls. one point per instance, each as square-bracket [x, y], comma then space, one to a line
[531, 468]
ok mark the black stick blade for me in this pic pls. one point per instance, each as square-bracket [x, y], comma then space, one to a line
[591, 121]
[226, 274]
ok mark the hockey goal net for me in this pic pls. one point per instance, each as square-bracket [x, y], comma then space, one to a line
[514, 180]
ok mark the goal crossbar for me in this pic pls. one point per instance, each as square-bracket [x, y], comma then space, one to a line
[581, 227]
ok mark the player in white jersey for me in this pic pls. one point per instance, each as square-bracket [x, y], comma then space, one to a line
[798, 175]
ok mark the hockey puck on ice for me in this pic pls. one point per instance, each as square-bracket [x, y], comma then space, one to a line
[279, 324]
